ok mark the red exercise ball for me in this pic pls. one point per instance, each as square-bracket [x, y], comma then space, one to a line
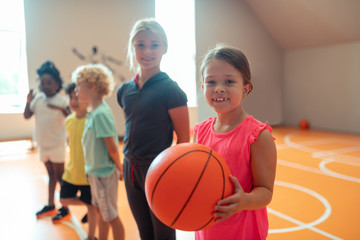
[184, 183]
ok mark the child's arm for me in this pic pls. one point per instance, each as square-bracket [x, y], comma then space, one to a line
[66, 111]
[114, 154]
[27, 112]
[180, 119]
[263, 167]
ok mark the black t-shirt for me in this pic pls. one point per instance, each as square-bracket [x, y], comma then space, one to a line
[148, 126]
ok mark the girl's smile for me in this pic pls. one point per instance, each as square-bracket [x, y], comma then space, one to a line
[149, 49]
[223, 86]
[219, 100]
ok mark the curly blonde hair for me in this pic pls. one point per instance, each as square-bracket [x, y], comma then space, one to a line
[98, 74]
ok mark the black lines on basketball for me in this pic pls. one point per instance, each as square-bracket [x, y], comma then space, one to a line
[192, 192]
[184, 183]
[165, 171]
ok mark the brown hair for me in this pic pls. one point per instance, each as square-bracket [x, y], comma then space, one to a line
[231, 55]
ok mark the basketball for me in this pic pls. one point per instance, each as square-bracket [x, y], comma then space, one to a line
[304, 124]
[184, 183]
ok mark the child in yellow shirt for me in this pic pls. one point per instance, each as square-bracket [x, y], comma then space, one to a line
[74, 178]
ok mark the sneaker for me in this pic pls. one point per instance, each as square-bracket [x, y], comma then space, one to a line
[84, 219]
[62, 215]
[46, 211]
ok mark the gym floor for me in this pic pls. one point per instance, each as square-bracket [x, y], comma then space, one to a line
[316, 196]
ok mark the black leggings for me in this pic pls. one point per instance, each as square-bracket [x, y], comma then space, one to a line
[149, 226]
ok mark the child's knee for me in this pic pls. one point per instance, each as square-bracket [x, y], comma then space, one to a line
[65, 201]
[115, 221]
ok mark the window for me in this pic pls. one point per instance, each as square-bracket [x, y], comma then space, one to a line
[13, 66]
[178, 20]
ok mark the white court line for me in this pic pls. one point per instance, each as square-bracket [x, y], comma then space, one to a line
[300, 166]
[303, 145]
[290, 219]
[321, 155]
[300, 224]
[322, 171]
[298, 146]
[75, 224]
[321, 141]
[306, 143]
[318, 154]
[328, 140]
[335, 174]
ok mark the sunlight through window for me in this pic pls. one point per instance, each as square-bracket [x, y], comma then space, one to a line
[178, 20]
[13, 66]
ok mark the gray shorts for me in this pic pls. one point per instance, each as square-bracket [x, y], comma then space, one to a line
[104, 192]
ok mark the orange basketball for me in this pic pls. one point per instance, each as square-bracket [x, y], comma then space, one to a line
[304, 124]
[184, 183]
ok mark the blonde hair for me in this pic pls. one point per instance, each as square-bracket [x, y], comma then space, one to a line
[148, 24]
[98, 74]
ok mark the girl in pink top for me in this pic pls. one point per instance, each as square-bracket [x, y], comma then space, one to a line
[245, 143]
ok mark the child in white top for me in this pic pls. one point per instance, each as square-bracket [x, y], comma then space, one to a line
[50, 110]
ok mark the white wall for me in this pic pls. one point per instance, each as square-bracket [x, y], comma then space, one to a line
[233, 23]
[54, 28]
[323, 86]
[14, 126]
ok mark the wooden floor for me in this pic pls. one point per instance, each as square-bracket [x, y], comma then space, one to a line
[317, 191]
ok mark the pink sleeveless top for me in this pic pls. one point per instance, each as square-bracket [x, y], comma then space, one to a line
[234, 147]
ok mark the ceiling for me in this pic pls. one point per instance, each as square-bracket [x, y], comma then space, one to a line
[297, 24]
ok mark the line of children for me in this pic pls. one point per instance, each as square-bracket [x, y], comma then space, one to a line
[90, 134]
[154, 106]
[74, 178]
